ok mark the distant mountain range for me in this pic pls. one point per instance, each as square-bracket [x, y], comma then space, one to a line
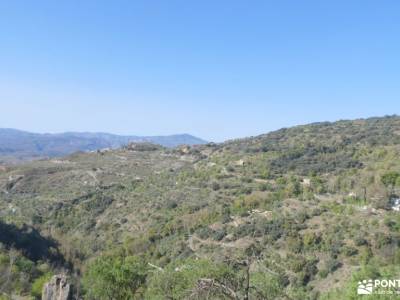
[17, 145]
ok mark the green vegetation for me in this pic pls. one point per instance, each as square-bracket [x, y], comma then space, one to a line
[300, 213]
[113, 277]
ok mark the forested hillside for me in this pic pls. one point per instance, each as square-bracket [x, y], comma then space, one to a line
[299, 213]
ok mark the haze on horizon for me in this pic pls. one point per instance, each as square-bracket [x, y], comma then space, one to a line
[215, 70]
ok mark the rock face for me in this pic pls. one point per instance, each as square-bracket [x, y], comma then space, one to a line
[57, 289]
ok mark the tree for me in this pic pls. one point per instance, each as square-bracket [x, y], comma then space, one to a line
[115, 277]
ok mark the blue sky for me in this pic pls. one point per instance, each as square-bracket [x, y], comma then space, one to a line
[215, 69]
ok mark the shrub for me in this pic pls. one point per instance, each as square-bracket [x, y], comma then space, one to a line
[114, 277]
[382, 240]
[215, 186]
[389, 179]
[178, 280]
[204, 232]
[311, 240]
[294, 244]
[38, 283]
[349, 251]
[219, 235]
[360, 241]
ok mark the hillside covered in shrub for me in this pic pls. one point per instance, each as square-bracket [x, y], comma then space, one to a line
[299, 213]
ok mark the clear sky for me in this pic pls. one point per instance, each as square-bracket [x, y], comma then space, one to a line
[216, 69]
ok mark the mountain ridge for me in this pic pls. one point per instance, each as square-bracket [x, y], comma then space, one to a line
[18, 145]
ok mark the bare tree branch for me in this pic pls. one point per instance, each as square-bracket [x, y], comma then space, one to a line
[207, 284]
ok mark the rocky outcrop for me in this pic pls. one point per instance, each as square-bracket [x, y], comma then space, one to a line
[57, 288]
